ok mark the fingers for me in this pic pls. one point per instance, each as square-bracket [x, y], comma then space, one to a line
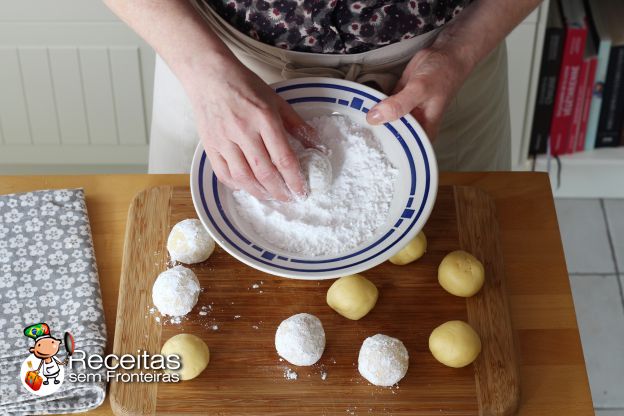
[397, 105]
[429, 117]
[296, 126]
[283, 157]
[220, 168]
[240, 172]
[264, 170]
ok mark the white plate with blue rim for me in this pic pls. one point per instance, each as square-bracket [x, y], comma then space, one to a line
[404, 142]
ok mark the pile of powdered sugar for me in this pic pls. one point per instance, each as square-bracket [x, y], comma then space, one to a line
[334, 220]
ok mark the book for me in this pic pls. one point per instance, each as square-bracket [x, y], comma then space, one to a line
[577, 112]
[547, 85]
[612, 109]
[597, 11]
[573, 13]
[591, 77]
[586, 76]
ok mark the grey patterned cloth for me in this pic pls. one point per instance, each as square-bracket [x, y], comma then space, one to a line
[47, 274]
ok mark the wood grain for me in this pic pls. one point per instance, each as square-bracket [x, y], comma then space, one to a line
[537, 280]
[496, 369]
[245, 376]
[143, 259]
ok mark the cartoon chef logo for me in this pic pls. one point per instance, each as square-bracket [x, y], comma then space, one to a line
[42, 372]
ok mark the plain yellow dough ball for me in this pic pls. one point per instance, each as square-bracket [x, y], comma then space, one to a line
[193, 352]
[455, 344]
[412, 251]
[461, 274]
[352, 296]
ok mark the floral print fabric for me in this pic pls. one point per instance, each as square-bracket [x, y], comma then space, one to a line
[336, 26]
[47, 274]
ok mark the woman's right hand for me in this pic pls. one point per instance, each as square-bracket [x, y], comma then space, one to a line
[243, 125]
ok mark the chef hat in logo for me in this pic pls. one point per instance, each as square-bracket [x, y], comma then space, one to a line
[38, 331]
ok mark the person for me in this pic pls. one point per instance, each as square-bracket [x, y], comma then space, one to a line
[46, 348]
[443, 61]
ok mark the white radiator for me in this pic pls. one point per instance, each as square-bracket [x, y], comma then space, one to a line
[75, 85]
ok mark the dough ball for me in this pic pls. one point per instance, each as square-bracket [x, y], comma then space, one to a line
[352, 296]
[412, 251]
[455, 344]
[317, 169]
[300, 339]
[461, 274]
[383, 360]
[175, 291]
[193, 352]
[189, 242]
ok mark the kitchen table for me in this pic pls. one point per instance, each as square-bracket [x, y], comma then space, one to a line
[552, 369]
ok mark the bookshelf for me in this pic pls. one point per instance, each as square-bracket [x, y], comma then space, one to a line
[598, 173]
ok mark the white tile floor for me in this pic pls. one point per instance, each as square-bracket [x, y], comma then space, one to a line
[593, 238]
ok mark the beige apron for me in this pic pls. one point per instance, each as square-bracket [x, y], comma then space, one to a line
[475, 132]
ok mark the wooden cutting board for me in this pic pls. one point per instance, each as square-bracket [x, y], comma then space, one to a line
[242, 307]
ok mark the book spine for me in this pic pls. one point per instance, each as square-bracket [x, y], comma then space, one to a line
[546, 89]
[566, 88]
[577, 113]
[591, 76]
[604, 51]
[610, 124]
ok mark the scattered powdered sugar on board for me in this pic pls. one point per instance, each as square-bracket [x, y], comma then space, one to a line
[290, 374]
[350, 212]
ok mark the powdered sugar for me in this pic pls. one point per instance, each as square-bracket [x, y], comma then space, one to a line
[383, 360]
[175, 291]
[300, 339]
[337, 219]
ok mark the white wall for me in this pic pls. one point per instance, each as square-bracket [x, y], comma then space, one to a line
[75, 85]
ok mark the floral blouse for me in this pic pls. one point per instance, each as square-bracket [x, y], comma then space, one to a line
[336, 26]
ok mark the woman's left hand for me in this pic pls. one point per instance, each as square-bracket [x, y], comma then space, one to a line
[428, 84]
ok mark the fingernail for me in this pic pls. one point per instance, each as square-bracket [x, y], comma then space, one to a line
[374, 116]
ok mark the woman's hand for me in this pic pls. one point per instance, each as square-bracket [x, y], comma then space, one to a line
[243, 126]
[428, 83]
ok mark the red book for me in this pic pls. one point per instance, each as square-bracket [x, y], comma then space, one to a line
[569, 75]
[577, 113]
[591, 77]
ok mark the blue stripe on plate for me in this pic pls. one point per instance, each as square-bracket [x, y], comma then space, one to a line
[356, 103]
[268, 255]
[311, 99]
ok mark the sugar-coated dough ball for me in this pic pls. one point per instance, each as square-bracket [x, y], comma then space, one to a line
[383, 360]
[175, 291]
[193, 353]
[412, 251]
[189, 242]
[455, 344]
[352, 296]
[317, 169]
[300, 339]
[461, 274]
